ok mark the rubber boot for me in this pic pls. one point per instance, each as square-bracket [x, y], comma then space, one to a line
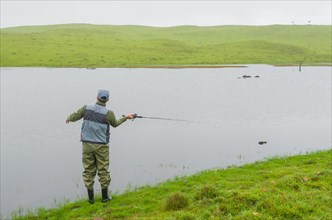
[91, 196]
[104, 194]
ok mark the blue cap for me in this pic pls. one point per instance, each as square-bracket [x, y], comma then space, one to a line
[103, 95]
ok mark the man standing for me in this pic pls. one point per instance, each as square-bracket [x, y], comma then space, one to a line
[95, 135]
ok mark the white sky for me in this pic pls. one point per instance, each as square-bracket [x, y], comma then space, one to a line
[165, 13]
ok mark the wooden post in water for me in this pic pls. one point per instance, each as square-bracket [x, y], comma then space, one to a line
[301, 64]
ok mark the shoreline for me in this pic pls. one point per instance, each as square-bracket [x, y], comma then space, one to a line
[190, 66]
[217, 66]
[187, 66]
[267, 183]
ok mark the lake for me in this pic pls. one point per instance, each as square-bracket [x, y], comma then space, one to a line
[228, 115]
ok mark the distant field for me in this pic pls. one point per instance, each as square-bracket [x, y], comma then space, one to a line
[84, 45]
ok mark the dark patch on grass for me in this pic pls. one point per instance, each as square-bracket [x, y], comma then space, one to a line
[75, 207]
[247, 199]
[185, 216]
[176, 201]
[207, 192]
[308, 162]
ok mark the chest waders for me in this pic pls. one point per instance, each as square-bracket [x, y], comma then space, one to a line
[95, 150]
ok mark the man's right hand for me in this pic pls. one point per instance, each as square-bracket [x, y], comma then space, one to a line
[131, 116]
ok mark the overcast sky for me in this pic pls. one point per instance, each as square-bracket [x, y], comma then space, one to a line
[165, 13]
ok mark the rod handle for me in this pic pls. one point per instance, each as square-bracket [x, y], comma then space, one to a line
[134, 115]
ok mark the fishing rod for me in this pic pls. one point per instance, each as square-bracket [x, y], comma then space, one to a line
[157, 118]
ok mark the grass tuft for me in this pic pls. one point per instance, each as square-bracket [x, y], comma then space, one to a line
[207, 192]
[176, 201]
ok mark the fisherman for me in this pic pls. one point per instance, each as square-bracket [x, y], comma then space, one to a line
[95, 140]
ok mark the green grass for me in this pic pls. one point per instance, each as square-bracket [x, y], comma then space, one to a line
[84, 45]
[297, 187]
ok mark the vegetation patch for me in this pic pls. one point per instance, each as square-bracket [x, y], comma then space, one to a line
[207, 192]
[176, 201]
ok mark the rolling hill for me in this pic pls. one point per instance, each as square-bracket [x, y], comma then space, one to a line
[85, 45]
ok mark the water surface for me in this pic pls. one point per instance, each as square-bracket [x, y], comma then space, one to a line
[41, 155]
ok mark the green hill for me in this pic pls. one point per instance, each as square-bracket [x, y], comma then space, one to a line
[84, 45]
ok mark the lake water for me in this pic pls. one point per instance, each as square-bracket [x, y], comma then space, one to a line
[41, 155]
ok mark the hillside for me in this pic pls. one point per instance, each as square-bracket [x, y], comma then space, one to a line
[84, 45]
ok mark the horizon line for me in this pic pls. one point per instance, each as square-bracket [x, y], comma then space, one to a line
[170, 26]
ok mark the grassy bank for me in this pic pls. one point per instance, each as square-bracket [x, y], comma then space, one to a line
[83, 45]
[297, 187]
